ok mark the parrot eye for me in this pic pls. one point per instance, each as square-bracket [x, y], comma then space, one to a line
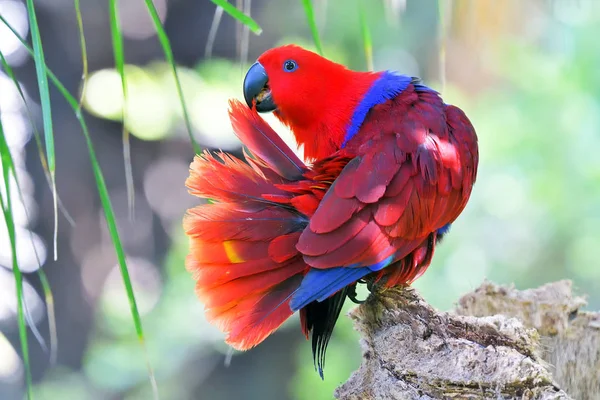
[290, 66]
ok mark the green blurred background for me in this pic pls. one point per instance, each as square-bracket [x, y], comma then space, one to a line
[527, 73]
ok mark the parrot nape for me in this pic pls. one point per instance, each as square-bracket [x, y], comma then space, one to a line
[389, 166]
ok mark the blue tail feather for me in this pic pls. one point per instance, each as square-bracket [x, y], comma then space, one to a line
[320, 284]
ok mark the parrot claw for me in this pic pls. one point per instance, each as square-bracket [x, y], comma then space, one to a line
[352, 296]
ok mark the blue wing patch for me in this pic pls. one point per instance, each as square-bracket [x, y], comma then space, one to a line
[388, 86]
[320, 284]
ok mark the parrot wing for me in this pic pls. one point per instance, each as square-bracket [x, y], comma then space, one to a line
[402, 186]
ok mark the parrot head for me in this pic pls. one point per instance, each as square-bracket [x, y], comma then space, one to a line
[313, 96]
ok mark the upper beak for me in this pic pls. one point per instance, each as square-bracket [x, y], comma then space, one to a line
[256, 88]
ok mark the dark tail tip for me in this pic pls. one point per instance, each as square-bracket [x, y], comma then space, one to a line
[320, 320]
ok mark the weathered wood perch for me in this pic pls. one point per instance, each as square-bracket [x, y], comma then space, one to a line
[500, 343]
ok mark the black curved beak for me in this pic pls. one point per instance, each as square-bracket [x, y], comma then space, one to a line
[256, 87]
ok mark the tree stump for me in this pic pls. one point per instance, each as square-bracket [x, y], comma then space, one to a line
[500, 343]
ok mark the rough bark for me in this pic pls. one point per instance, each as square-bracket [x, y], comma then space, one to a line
[500, 343]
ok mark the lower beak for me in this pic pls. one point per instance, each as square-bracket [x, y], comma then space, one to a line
[256, 89]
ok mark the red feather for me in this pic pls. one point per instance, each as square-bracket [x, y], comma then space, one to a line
[312, 243]
[255, 317]
[264, 143]
[407, 172]
[232, 291]
[218, 222]
[228, 181]
[283, 247]
[209, 275]
[329, 91]
[394, 180]
[242, 247]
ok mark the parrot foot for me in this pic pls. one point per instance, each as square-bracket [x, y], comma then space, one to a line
[352, 296]
[369, 283]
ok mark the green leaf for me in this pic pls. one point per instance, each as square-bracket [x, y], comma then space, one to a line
[36, 134]
[119, 55]
[106, 205]
[48, 296]
[239, 15]
[312, 23]
[166, 45]
[6, 203]
[84, 59]
[45, 284]
[117, 42]
[40, 70]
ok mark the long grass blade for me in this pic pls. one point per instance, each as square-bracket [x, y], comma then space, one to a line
[6, 203]
[239, 15]
[106, 206]
[242, 35]
[312, 24]
[83, 46]
[119, 55]
[245, 40]
[239, 4]
[8, 160]
[166, 46]
[31, 323]
[40, 70]
[366, 35]
[114, 234]
[36, 134]
[212, 33]
[48, 296]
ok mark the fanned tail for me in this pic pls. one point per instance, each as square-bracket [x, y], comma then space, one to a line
[243, 246]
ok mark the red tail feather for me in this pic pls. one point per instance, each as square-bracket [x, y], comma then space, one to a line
[258, 283]
[255, 317]
[264, 142]
[228, 181]
[242, 250]
[222, 221]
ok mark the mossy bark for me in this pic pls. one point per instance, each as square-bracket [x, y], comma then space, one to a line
[500, 343]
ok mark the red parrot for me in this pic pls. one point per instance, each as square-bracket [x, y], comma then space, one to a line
[389, 167]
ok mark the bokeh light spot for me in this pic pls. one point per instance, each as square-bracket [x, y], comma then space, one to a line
[15, 14]
[8, 301]
[104, 94]
[11, 367]
[168, 197]
[135, 19]
[28, 245]
[504, 195]
[146, 282]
